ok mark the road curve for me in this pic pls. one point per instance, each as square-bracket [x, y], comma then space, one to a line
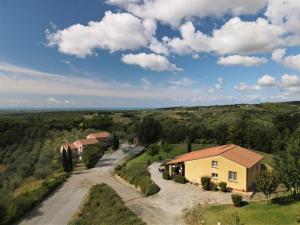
[61, 205]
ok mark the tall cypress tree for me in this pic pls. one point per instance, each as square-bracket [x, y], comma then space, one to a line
[70, 160]
[64, 160]
[188, 144]
[115, 141]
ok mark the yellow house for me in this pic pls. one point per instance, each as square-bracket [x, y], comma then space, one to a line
[231, 163]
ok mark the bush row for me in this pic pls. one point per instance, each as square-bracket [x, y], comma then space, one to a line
[15, 208]
[138, 175]
[208, 185]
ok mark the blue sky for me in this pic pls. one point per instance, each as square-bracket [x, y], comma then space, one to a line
[142, 53]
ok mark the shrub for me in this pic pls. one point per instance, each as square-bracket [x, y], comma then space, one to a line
[223, 186]
[152, 189]
[214, 187]
[166, 175]
[179, 179]
[91, 155]
[205, 182]
[237, 200]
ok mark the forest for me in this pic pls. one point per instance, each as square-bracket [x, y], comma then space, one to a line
[30, 141]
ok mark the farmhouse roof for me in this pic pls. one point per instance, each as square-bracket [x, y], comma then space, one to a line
[90, 141]
[101, 134]
[235, 153]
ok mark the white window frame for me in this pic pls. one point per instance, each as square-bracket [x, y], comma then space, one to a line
[214, 164]
[232, 175]
[214, 177]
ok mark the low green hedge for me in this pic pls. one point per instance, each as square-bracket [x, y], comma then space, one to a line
[205, 182]
[136, 173]
[179, 179]
[237, 200]
[223, 186]
[17, 207]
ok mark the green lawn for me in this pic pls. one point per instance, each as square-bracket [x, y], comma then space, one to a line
[254, 214]
[105, 207]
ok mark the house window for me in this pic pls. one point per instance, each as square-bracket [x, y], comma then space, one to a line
[214, 175]
[214, 164]
[232, 175]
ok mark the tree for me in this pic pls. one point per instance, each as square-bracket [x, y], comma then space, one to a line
[188, 144]
[267, 182]
[64, 160]
[149, 130]
[287, 164]
[115, 141]
[153, 149]
[167, 148]
[70, 160]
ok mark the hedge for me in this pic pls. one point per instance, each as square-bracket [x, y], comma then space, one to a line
[91, 155]
[237, 200]
[179, 179]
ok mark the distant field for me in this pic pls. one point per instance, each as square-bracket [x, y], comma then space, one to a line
[254, 214]
[105, 207]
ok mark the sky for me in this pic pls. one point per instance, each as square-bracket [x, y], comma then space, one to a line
[148, 53]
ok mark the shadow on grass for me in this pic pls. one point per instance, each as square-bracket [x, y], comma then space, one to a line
[286, 200]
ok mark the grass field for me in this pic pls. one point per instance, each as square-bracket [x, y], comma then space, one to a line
[105, 207]
[254, 214]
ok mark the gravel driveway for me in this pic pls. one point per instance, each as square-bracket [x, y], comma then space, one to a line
[175, 197]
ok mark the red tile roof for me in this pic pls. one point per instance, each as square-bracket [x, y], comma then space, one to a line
[88, 141]
[71, 146]
[101, 134]
[235, 153]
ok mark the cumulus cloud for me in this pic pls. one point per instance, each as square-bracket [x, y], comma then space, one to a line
[151, 61]
[267, 80]
[235, 36]
[116, 31]
[246, 87]
[284, 13]
[290, 80]
[292, 61]
[234, 60]
[180, 10]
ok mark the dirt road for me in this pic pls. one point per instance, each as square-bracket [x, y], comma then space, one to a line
[59, 207]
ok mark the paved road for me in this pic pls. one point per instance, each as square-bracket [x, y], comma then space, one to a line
[59, 208]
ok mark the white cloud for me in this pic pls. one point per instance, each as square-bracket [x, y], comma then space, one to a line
[116, 31]
[245, 87]
[267, 80]
[219, 85]
[190, 41]
[290, 81]
[184, 81]
[150, 61]
[234, 60]
[175, 11]
[237, 36]
[57, 101]
[292, 61]
[285, 13]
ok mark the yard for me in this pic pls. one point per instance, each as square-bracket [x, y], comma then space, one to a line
[254, 214]
[135, 170]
